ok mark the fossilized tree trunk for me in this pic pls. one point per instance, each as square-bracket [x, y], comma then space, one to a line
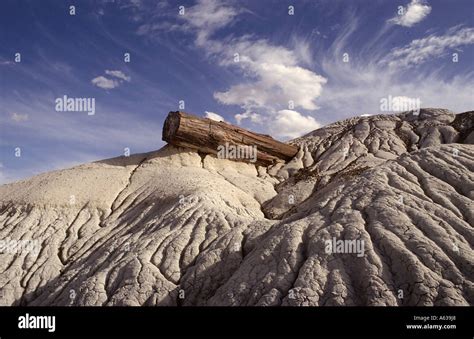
[206, 135]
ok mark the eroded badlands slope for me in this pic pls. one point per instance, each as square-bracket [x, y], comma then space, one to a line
[174, 227]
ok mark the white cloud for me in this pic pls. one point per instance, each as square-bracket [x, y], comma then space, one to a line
[207, 16]
[117, 74]
[275, 79]
[302, 50]
[254, 117]
[213, 116]
[292, 124]
[421, 50]
[361, 87]
[358, 87]
[273, 75]
[275, 86]
[17, 117]
[415, 12]
[150, 28]
[105, 83]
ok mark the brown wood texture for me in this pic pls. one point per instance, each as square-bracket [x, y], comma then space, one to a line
[206, 135]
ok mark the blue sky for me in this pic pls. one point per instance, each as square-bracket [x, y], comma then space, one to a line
[250, 62]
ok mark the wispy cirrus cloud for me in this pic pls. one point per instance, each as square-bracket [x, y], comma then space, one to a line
[109, 129]
[17, 117]
[52, 140]
[191, 57]
[273, 77]
[288, 84]
[358, 86]
[208, 16]
[410, 15]
[118, 74]
[420, 50]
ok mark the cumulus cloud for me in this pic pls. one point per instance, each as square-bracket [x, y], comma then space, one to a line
[291, 124]
[105, 83]
[277, 85]
[416, 11]
[274, 78]
[108, 83]
[421, 50]
[254, 117]
[17, 117]
[213, 116]
[277, 80]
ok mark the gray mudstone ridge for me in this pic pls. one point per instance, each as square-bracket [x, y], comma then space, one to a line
[174, 227]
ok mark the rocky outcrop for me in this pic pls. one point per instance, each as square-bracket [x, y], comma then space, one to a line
[173, 227]
[347, 148]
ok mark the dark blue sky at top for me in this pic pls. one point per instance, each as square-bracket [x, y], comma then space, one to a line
[61, 54]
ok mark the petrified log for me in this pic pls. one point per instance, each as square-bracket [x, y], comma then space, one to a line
[215, 137]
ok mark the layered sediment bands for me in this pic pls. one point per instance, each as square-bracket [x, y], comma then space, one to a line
[174, 228]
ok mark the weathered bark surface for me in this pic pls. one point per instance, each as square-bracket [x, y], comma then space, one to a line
[205, 135]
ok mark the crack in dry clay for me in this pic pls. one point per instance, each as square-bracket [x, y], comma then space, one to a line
[178, 228]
